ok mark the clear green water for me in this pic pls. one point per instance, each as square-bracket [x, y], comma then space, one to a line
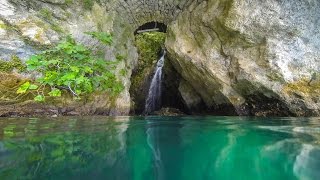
[177, 148]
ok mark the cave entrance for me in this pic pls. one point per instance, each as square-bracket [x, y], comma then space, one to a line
[150, 40]
[151, 27]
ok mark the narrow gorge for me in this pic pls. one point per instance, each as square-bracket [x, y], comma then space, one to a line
[224, 57]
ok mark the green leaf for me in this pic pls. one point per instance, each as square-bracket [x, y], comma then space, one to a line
[80, 80]
[34, 62]
[39, 98]
[33, 87]
[78, 91]
[69, 76]
[74, 68]
[53, 62]
[80, 48]
[88, 69]
[55, 93]
[23, 88]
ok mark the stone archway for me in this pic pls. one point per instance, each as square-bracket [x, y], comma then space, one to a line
[139, 12]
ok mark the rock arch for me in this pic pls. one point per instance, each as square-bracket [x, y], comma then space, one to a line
[139, 12]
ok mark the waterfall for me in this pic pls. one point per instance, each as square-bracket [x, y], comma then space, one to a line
[153, 101]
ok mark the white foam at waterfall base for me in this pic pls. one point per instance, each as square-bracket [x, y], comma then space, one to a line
[153, 101]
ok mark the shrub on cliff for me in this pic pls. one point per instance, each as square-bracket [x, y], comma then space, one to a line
[72, 67]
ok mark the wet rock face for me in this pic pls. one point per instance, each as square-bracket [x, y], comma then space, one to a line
[232, 53]
[242, 53]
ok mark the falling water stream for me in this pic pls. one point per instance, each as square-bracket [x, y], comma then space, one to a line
[153, 101]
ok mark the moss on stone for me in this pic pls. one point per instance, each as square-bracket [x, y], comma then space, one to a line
[57, 28]
[26, 24]
[48, 16]
[46, 13]
[3, 26]
[68, 2]
[9, 83]
[303, 86]
[14, 63]
[87, 4]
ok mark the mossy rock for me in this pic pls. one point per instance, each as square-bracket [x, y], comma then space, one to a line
[9, 84]
[14, 64]
[303, 86]
[13, 104]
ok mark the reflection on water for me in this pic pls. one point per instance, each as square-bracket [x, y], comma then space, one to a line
[160, 148]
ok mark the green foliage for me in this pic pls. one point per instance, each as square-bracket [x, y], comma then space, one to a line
[73, 67]
[48, 16]
[103, 37]
[14, 63]
[25, 87]
[120, 57]
[55, 93]
[87, 4]
[149, 45]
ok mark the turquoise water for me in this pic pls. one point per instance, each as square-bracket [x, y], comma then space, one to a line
[177, 148]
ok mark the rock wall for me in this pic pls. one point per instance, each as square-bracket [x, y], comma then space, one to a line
[28, 26]
[257, 56]
[246, 55]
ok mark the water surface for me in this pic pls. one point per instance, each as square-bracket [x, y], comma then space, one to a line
[177, 148]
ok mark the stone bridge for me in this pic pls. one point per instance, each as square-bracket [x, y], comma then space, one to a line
[139, 12]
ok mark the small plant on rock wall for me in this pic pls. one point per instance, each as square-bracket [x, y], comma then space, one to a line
[74, 68]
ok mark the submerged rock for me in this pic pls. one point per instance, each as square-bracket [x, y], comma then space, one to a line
[168, 112]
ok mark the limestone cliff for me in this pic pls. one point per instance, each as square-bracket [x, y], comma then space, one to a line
[257, 56]
[249, 57]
